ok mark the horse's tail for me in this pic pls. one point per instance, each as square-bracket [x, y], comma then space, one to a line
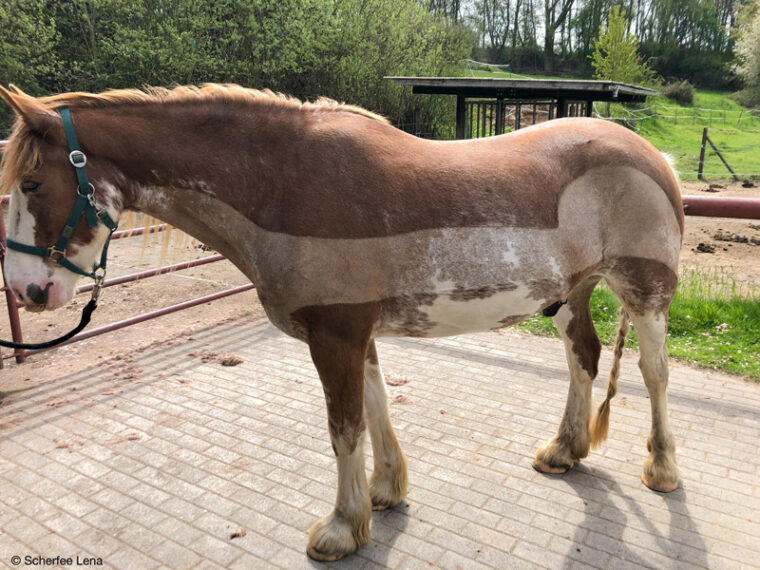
[599, 425]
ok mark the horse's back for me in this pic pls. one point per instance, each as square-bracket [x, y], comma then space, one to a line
[453, 237]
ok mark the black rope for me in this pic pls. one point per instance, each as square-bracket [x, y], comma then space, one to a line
[86, 316]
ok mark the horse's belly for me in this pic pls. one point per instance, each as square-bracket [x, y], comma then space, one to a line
[458, 312]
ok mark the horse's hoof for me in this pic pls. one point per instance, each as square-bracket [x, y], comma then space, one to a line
[543, 467]
[333, 537]
[315, 554]
[389, 491]
[662, 487]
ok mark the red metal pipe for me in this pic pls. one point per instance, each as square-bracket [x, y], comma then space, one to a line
[153, 272]
[139, 231]
[722, 207]
[151, 315]
[145, 274]
[10, 299]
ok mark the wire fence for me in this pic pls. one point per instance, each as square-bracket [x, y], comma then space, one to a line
[744, 118]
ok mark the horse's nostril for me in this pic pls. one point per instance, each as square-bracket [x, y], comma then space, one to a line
[37, 294]
[19, 294]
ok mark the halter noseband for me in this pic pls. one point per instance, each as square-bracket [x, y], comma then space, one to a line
[84, 206]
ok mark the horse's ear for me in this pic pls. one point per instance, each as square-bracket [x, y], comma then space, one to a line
[36, 116]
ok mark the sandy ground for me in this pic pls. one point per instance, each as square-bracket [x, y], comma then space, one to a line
[742, 260]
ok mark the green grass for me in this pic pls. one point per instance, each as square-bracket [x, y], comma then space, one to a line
[714, 322]
[677, 130]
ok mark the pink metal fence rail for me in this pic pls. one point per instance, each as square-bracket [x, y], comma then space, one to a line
[718, 207]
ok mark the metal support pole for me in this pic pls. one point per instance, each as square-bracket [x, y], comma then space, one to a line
[561, 109]
[518, 115]
[460, 116]
[500, 116]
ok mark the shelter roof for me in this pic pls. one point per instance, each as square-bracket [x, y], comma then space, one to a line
[504, 88]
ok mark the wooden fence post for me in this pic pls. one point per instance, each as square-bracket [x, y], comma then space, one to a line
[706, 139]
[702, 154]
[715, 148]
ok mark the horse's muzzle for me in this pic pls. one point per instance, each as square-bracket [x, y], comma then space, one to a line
[36, 297]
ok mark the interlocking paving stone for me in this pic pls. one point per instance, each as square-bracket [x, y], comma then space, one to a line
[158, 468]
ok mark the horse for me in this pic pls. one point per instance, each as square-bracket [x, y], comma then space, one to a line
[352, 230]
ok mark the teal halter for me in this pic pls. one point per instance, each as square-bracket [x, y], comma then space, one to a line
[84, 206]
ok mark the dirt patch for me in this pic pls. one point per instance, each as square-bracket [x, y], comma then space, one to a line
[401, 399]
[394, 380]
[222, 357]
[718, 245]
[736, 238]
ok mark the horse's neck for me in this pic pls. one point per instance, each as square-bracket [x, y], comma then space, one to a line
[215, 151]
[196, 172]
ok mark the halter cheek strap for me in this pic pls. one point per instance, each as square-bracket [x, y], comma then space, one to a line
[84, 206]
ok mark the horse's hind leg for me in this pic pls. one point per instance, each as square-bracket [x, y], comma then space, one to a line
[582, 349]
[660, 469]
[388, 484]
[646, 289]
[338, 347]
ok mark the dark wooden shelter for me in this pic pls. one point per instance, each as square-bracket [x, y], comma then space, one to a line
[488, 106]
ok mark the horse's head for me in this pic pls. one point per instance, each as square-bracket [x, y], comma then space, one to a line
[42, 182]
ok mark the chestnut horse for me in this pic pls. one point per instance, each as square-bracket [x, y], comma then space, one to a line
[352, 230]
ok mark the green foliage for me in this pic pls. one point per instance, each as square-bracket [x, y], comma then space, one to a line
[307, 48]
[27, 38]
[748, 45]
[616, 53]
[680, 91]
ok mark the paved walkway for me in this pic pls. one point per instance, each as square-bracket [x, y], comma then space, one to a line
[157, 459]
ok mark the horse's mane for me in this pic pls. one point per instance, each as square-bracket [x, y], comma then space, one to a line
[21, 155]
[192, 93]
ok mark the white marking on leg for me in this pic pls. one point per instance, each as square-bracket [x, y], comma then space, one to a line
[388, 484]
[660, 470]
[347, 527]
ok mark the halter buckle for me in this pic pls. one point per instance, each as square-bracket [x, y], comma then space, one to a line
[55, 254]
[77, 158]
[98, 285]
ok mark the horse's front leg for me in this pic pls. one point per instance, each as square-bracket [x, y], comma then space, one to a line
[338, 349]
[389, 483]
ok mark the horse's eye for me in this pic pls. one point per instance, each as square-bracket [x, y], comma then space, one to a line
[27, 187]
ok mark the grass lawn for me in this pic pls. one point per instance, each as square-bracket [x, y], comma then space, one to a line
[677, 130]
[712, 324]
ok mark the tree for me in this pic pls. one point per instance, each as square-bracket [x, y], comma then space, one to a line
[748, 45]
[555, 13]
[616, 52]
